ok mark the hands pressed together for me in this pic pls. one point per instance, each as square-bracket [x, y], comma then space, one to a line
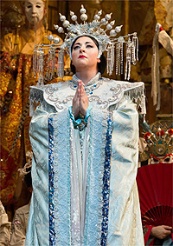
[80, 101]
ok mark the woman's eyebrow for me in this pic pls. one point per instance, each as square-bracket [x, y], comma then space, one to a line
[77, 43]
[88, 42]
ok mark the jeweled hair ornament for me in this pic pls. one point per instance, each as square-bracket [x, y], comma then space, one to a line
[44, 60]
[102, 30]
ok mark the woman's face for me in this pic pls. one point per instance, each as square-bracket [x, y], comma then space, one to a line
[34, 11]
[85, 53]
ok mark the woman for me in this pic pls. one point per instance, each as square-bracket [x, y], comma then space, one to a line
[16, 78]
[84, 136]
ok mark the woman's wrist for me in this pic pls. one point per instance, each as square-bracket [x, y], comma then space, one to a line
[80, 122]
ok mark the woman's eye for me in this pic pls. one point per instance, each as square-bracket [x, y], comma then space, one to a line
[38, 6]
[89, 46]
[76, 47]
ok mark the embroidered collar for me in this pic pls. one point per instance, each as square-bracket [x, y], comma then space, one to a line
[91, 85]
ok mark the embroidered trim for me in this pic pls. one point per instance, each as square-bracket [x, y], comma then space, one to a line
[92, 85]
[106, 184]
[95, 172]
[62, 183]
[51, 184]
[103, 93]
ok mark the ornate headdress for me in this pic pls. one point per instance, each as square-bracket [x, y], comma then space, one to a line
[97, 29]
[107, 42]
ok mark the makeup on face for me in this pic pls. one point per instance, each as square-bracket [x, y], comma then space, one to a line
[34, 11]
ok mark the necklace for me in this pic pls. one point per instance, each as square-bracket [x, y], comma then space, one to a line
[92, 85]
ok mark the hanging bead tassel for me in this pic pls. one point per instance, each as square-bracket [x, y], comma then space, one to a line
[35, 62]
[46, 69]
[41, 66]
[110, 59]
[52, 51]
[50, 64]
[117, 59]
[135, 49]
[121, 55]
[128, 60]
[133, 58]
[60, 70]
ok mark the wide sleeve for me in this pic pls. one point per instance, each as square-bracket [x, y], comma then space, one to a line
[38, 221]
[40, 217]
[124, 201]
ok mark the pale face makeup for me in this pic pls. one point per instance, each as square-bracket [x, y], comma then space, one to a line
[34, 11]
[85, 53]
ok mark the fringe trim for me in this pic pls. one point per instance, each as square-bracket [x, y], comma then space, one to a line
[137, 95]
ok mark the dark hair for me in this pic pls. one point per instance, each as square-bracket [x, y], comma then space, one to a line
[101, 66]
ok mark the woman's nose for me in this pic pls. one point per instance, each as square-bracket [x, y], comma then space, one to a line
[82, 49]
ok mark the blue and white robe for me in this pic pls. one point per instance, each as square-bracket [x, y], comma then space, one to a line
[84, 182]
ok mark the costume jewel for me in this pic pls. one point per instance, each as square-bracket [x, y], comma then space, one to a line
[159, 139]
[107, 42]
